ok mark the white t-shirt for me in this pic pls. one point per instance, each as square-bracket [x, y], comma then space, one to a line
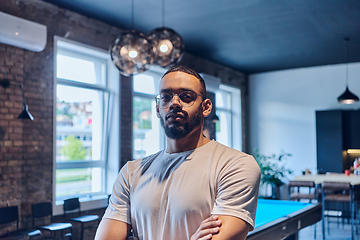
[166, 196]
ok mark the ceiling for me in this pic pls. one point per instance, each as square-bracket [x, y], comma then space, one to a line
[250, 36]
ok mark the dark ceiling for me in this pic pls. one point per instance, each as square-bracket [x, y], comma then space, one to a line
[247, 35]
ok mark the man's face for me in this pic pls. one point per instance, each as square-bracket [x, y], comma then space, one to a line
[178, 121]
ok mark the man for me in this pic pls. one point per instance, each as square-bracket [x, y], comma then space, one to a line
[195, 188]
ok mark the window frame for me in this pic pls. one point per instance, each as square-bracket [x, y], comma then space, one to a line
[92, 200]
[155, 72]
[235, 115]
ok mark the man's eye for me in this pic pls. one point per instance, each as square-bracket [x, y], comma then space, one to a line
[187, 97]
[165, 97]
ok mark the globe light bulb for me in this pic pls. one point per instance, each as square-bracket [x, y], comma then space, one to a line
[167, 45]
[164, 48]
[133, 54]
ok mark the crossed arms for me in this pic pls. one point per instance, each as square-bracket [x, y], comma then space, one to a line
[215, 227]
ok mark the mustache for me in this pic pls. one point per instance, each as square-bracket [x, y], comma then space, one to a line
[175, 113]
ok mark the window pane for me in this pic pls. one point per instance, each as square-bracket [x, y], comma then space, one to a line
[78, 181]
[223, 99]
[223, 128]
[145, 84]
[81, 70]
[79, 123]
[145, 127]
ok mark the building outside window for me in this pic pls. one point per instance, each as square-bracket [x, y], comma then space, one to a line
[148, 136]
[82, 115]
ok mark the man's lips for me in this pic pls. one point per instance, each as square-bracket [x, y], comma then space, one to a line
[174, 117]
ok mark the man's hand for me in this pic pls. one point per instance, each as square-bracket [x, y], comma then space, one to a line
[209, 227]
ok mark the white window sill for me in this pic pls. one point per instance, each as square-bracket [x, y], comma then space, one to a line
[86, 203]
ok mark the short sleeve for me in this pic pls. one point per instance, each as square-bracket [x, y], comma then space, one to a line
[237, 189]
[119, 203]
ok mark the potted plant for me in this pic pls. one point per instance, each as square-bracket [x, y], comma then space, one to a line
[273, 170]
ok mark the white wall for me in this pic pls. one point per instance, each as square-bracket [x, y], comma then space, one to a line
[283, 105]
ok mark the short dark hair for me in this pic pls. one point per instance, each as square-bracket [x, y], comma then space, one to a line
[190, 71]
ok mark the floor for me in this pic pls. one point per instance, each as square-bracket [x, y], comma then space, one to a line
[341, 232]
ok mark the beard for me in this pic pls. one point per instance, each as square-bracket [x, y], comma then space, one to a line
[178, 131]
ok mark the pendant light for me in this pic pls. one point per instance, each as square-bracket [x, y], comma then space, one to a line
[167, 44]
[132, 52]
[347, 97]
[25, 114]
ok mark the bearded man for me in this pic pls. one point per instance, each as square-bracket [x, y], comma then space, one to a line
[195, 188]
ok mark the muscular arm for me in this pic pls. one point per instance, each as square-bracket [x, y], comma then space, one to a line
[110, 229]
[222, 227]
[232, 228]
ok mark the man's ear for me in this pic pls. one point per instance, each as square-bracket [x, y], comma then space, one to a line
[157, 111]
[207, 106]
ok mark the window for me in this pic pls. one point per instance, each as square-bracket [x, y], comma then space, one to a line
[228, 128]
[84, 106]
[148, 136]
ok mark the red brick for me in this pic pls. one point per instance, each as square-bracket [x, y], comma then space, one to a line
[14, 149]
[14, 162]
[9, 104]
[4, 110]
[18, 143]
[9, 116]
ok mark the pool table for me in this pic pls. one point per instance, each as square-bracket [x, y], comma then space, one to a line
[277, 219]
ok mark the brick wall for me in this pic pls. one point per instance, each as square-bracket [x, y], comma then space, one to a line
[26, 147]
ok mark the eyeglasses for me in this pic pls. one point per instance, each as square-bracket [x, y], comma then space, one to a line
[187, 99]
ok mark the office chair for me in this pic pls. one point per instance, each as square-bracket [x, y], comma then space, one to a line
[42, 211]
[73, 205]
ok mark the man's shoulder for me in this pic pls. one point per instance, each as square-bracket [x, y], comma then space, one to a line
[216, 146]
[225, 155]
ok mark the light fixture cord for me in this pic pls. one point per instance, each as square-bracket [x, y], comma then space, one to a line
[22, 93]
[163, 13]
[132, 14]
[346, 55]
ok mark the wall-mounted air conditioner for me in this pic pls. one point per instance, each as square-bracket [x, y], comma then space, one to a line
[22, 33]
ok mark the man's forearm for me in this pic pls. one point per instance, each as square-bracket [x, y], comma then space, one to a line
[232, 228]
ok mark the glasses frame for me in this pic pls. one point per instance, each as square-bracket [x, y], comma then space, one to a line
[157, 99]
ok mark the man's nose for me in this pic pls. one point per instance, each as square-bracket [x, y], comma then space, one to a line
[175, 102]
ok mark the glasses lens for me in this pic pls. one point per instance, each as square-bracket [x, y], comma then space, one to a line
[187, 99]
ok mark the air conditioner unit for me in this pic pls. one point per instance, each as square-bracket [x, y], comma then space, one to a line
[22, 33]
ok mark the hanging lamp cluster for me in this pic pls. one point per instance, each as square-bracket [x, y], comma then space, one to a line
[347, 97]
[134, 52]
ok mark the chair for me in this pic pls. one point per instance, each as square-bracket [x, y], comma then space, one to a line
[339, 192]
[41, 211]
[73, 205]
[10, 215]
[297, 195]
[310, 194]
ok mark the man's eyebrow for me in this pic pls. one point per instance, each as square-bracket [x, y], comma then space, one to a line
[166, 90]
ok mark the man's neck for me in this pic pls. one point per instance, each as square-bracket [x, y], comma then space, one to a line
[193, 140]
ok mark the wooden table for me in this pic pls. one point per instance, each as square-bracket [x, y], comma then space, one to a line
[332, 177]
